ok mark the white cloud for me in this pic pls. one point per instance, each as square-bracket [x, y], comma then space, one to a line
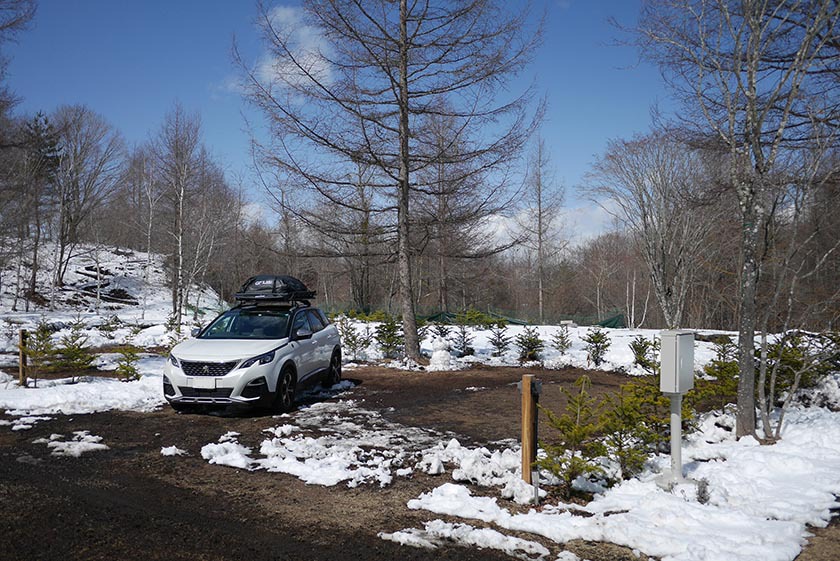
[587, 221]
[254, 213]
[307, 44]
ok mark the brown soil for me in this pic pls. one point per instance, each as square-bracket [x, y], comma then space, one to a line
[130, 502]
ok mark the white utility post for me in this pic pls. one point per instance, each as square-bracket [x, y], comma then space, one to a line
[676, 377]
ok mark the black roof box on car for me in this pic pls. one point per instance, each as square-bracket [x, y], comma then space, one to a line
[274, 288]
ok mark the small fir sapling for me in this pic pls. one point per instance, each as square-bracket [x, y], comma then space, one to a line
[441, 330]
[73, 350]
[562, 339]
[575, 452]
[627, 435]
[109, 327]
[530, 345]
[40, 350]
[720, 386]
[174, 330]
[462, 340]
[499, 339]
[353, 341]
[645, 353]
[389, 338]
[642, 393]
[596, 344]
[127, 363]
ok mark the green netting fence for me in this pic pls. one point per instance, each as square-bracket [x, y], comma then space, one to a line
[612, 319]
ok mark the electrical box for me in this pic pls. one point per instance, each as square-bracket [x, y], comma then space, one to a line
[676, 374]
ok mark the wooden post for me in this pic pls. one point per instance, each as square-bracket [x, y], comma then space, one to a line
[22, 358]
[529, 415]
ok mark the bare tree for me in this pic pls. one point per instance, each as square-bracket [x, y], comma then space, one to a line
[176, 150]
[756, 75]
[356, 94]
[147, 193]
[600, 261]
[651, 182]
[15, 15]
[90, 167]
[794, 256]
[209, 220]
[539, 218]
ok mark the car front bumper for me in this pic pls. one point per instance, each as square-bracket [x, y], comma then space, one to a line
[243, 388]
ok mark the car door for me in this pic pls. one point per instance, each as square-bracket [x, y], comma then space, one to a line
[304, 349]
[323, 348]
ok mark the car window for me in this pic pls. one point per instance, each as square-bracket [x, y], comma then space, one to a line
[315, 321]
[324, 319]
[248, 324]
[300, 321]
[219, 328]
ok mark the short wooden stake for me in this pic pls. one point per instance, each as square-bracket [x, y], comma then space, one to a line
[22, 358]
[529, 435]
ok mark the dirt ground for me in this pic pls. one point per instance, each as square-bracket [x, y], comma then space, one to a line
[130, 502]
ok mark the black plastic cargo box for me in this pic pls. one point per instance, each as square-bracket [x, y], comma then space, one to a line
[277, 288]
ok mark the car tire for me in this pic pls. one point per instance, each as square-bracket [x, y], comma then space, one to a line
[284, 395]
[333, 375]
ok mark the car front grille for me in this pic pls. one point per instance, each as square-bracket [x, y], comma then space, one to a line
[206, 393]
[207, 368]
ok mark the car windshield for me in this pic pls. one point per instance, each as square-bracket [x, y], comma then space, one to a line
[248, 324]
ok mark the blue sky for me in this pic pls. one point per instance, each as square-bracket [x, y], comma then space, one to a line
[130, 61]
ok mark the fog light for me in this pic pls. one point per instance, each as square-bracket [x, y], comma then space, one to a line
[254, 388]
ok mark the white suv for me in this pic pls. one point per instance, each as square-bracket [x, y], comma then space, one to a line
[257, 354]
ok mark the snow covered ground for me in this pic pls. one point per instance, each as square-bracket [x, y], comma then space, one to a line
[124, 292]
[758, 503]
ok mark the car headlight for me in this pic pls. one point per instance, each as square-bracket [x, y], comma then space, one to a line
[175, 362]
[262, 359]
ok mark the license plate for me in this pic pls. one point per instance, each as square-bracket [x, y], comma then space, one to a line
[204, 383]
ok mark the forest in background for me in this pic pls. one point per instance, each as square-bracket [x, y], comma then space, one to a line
[485, 225]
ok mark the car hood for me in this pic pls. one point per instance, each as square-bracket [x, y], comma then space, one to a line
[224, 349]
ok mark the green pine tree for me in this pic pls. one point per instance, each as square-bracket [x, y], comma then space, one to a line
[596, 344]
[127, 363]
[110, 326]
[562, 339]
[530, 345]
[353, 341]
[389, 338]
[645, 353]
[40, 350]
[627, 435]
[578, 446]
[499, 339]
[462, 340]
[73, 351]
[441, 330]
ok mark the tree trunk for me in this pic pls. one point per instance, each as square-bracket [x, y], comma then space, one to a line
[412, 343]
[745, 417]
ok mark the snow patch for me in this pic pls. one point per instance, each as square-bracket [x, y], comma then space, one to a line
[172, 451]
[438, 532]
[81, 442]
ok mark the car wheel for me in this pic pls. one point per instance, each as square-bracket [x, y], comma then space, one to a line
[284, 396]
[334, 371]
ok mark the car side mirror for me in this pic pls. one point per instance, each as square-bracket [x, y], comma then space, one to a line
[303, 333]
[195, 331]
